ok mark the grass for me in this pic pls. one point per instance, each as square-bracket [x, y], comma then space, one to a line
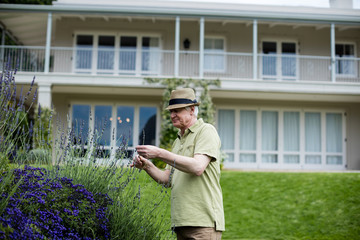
[267, 205]
[273, 205]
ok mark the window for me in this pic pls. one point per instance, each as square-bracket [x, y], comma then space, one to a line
[125, 125]
[334, 146]
[84, 53]
[313, 138]
[226, 131]
[269, 136]
[147, 133]
[105, 58]
[214, 57]
[115, 125]
[248, 136]
[131, 62]
[345, 62]
[102, 125]
[150, 55]
[279, 60]
[127, 61]
[110, 54]
[290, 138]
[269, 63]
[80, 123]
[288, 59]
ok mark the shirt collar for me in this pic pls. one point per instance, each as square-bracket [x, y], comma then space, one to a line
[193, 128]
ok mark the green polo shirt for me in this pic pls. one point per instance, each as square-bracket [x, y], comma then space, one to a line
[197, 200]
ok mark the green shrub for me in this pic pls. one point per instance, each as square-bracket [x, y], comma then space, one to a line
[43, 130]
[38, 156]
[4, 162]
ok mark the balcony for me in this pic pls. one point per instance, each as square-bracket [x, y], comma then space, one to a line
[161, 63]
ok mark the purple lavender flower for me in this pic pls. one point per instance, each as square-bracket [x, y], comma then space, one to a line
[52, 208]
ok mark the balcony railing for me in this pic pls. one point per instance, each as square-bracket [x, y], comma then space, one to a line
[161, 63]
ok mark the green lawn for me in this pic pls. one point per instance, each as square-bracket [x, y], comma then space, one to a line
[289, 206]
[267, 205]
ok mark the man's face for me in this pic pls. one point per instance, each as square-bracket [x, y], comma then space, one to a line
[181, 117]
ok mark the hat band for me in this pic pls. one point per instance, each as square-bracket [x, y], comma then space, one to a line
[181, 101]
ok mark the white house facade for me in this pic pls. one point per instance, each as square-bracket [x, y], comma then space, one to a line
[290, 75]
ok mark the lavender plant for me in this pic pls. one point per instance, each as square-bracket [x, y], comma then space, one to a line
[82, 194]
[55, 208]
[132, 217]
[15, 134]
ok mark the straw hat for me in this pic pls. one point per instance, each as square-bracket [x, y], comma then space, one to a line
[181, 98]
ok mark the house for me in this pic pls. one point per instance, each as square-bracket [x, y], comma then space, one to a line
[290, 84]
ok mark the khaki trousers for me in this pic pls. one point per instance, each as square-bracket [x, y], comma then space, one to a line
[197, 233]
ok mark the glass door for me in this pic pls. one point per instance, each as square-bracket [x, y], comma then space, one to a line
[150, 58]
[214, 58]
[105, 57]
[279, 60]
[127, 55]
[269, 62]
[84, 54]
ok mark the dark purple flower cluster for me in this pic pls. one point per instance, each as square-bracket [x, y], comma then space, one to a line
[52, 208]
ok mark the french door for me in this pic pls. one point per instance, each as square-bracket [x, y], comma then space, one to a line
[279, 60]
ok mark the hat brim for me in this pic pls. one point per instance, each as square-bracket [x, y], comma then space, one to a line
[175, 106]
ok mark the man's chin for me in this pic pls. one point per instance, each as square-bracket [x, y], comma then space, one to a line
[175, 124]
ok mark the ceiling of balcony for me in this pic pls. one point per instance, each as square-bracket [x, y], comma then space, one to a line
[29, 29]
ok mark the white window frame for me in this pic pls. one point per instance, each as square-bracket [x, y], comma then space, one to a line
[138, 67]
[354, 58]
[96, 52]
[280, 152]
[113, 145]
[75, 70]
[223, 70]
[279, 55]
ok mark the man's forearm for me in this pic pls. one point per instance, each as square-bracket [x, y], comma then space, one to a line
[160, 176]
[195, 165]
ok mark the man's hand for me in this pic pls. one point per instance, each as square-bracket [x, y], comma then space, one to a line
[148, 151]
[140, 162]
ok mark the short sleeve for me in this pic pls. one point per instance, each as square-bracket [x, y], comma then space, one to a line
[208, 142]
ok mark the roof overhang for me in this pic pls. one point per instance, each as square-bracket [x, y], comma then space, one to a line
[197, 9]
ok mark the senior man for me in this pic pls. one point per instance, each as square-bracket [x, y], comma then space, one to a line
[192, 171]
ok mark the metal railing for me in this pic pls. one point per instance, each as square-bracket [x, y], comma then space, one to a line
[160, 63]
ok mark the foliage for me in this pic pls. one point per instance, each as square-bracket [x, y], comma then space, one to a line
[84, 162]
[42, 135]
[37, 155]
[15, 133]
[78, 165]
[54, 208]
[270, 205]
[148, 208]
[4, 162]
[22, 125]
[206, 108]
